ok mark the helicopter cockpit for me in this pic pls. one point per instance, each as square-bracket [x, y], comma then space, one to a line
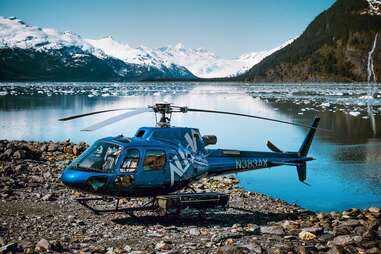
[101, 157]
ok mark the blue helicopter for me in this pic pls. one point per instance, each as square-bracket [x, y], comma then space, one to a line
[164, 159]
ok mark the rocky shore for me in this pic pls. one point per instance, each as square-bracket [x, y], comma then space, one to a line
[39, 214]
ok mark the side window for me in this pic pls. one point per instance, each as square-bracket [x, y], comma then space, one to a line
[154, 160]
[131, 161]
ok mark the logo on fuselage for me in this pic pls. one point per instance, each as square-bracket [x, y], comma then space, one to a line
[179, 164]
[185, 157]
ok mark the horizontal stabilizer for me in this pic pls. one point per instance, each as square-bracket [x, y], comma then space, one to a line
[273, 147]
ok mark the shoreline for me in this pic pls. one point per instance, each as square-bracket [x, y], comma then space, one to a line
[38, 213]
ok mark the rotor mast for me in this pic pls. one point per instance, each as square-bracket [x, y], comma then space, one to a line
[165, 111]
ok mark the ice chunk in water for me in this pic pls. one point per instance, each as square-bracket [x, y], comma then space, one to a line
[354, 113]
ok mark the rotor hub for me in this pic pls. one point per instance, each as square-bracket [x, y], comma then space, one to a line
[165, 110]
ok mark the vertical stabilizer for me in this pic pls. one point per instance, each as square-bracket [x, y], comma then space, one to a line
[305, 147]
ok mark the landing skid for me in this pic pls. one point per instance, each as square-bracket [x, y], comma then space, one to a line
[149, 206]
[163, 205]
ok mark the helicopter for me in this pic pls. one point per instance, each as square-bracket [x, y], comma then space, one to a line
[164, 159]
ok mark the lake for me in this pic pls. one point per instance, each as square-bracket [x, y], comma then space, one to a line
[345, 174]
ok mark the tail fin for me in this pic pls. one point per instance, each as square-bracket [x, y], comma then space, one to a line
[302, 171]
[305, 147]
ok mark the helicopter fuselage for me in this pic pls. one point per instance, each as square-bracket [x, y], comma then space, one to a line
[158, 161]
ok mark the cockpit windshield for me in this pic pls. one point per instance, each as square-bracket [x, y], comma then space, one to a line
[101, 156]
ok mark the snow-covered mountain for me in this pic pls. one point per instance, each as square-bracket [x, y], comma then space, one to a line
[205, 64]
[200, 62]
[30, 52]
[15, 33]
[34, 53]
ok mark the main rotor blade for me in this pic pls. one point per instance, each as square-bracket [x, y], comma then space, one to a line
[252, 116]
[115, 119]
[94, 113]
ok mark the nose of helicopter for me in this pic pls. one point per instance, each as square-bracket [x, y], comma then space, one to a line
[82, 180]
[72, 178]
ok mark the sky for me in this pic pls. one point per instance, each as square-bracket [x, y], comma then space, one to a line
[227, 28]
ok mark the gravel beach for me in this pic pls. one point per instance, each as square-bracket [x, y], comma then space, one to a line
[39, 214]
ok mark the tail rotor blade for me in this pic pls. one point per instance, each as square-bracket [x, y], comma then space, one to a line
[115, 119]
[94, 113]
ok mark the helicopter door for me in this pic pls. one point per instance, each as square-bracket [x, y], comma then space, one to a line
[153, 173]
[127, 170]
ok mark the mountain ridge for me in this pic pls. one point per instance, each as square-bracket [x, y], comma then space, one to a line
[201, 62]
[53, 50]
[44, 54]
[334, 47]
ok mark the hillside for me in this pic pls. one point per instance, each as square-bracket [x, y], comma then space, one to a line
[334, 47]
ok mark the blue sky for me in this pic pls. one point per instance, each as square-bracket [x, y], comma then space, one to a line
[227, 28]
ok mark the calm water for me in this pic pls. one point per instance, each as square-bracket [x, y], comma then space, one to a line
[345, 174]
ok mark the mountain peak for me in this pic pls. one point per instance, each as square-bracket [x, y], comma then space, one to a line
[179, 46]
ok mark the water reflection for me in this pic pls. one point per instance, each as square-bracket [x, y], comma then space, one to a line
[345, 174]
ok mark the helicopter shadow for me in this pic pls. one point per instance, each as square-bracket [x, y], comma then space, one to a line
[209, 219]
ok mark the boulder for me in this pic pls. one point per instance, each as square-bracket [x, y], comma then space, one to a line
[163, 245]
[44, 148]
[52, 147]
[343, 240]
[20, 154]
[42, 245]
[233, 250]
[9, 248]
[272, 230]
[8, 153]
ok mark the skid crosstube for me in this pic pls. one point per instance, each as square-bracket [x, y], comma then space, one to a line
[164, 204]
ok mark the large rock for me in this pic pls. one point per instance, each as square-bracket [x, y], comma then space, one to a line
[20, 154]
[163, 245]
[8, 153]
[42, 245]
[233, 250]
[52, 147]
[343, 240]
[9, 248]
[272, 230]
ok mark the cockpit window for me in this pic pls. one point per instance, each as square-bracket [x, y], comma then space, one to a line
[140, 133]
[131, 161]
[154, 160]
[101, 157]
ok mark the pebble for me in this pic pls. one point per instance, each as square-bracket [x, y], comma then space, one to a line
[306, 236]
[194, 231]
